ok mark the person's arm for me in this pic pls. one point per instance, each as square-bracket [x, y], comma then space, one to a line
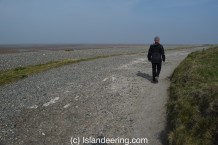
[163, 54]
[149, 53]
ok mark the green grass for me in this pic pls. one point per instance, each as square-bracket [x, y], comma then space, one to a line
[69, 50]
[192, 109]
[185, 47]
[19, 73]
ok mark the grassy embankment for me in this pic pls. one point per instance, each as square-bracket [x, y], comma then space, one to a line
[19, 73]
[186, 47]
[192, 110]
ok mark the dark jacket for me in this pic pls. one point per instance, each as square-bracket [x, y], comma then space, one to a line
[156, 53]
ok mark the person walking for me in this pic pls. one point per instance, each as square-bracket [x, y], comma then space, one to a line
[156, 55]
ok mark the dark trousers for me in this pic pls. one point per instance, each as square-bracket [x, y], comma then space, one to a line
[156, 68]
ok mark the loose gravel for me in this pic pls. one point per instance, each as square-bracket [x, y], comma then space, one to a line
[111, 97]
[9, 61]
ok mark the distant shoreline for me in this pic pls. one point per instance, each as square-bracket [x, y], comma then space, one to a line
[17, 48]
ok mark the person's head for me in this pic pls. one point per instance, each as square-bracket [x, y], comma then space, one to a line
[157, 39]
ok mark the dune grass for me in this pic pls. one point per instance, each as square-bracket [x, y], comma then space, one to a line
[192, 109]
[19, 73]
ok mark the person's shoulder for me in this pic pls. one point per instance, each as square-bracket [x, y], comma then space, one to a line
[152, 45]
[161, 45]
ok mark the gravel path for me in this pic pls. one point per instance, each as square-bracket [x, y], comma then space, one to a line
[110, 97]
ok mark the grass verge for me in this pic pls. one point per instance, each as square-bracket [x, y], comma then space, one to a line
[192, 109]
[16, 74]
[186, 47]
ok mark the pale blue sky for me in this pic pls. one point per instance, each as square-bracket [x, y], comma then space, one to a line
[108, 21]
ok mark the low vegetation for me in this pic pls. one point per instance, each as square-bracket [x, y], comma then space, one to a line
[192, 110]
[69, 50]
[12, 75]
[186, 47]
